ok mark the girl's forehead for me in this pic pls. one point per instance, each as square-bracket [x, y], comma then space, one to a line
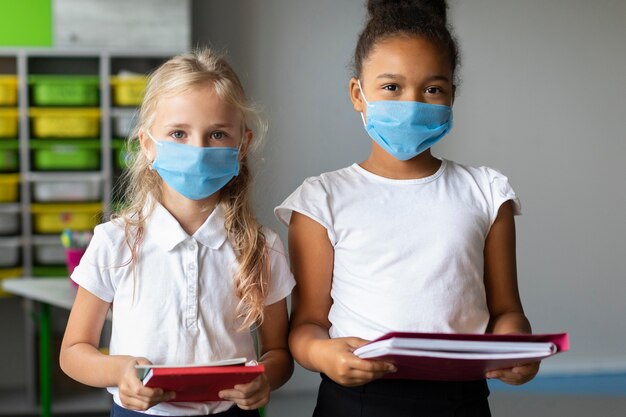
[403, 53]
[199, 103]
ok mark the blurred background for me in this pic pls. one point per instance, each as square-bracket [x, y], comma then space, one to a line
[542, 98]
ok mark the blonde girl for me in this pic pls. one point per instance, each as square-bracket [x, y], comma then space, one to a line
[185, 268]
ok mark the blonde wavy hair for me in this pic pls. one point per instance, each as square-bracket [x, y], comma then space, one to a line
[142, 185]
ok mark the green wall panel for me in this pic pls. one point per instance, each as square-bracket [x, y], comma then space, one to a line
[25, 23]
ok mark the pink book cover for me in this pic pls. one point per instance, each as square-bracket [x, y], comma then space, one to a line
[200, 383]
[455, 357]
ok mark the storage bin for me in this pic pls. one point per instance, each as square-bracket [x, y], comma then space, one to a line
[65, 122]
[65, 155]
[8, 122]
[8, 90]
[128, 90]
[9, 185]
[49, 254]
[10, 252]
[10, 221]
[8, 273]
[67, 190]
[121, 155]
[64, 90]
[53, 218]
[50, 271]
[9, 156]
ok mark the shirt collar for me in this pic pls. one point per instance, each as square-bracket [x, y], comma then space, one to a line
[168, 233]
[212, 233]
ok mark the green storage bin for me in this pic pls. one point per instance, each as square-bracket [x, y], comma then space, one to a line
[55, 155]
[121, 153]
[64, 90]
[50, 271]
[9, 156]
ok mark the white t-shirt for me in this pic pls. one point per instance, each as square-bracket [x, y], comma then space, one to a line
[180, 306]
[408, 254]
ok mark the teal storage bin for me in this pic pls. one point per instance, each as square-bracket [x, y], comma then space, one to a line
[64, 90]
[72, 155]
[9, 156]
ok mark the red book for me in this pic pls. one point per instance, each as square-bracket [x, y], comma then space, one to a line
[459, 357]
[200, 383]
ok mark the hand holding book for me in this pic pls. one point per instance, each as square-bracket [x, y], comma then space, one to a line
[459, 357]
[200, 382]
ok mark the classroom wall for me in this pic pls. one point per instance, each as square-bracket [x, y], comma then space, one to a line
[542, 99]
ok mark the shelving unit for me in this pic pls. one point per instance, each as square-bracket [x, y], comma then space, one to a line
[39, 250]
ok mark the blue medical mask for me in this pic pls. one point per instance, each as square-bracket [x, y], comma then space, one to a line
[192, 171]
[406, 128]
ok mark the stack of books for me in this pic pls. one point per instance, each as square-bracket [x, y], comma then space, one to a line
[459, 357]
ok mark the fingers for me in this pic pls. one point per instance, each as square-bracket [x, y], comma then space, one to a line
[145, 398]
[341, 365]
[250, 396]
[134, 395]
[357, 377]
[516, 375]
[354, 371]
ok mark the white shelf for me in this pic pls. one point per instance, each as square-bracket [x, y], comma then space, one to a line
[25, 62]
[64, 176]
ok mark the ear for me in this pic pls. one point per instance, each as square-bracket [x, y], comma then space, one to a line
[248, 137]
[147, 146]
[355, 96]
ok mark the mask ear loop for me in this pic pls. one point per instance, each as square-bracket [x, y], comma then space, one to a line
[366, 102]
[157, 144]
[153, 139]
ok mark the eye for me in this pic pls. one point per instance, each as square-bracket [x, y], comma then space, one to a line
[391, 87]
[177, 135]
[433, 90]
[218, 135]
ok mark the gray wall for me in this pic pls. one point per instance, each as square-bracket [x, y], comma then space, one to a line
[542, 98]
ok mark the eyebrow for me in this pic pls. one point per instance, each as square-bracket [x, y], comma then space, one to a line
[186, 126]
[390, 76]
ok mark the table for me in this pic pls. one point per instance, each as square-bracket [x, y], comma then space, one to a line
[58, 292]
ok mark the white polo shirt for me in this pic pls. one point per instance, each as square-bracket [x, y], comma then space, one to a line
[180, 307]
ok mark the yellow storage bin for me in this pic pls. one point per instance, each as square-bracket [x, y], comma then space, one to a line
[9, 273]
[54, 218]
[9, 185]
[8, 122]
[8, 90]
[65, 122]
[128, 90]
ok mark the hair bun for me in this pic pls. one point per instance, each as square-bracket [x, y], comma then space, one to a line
[433, 8]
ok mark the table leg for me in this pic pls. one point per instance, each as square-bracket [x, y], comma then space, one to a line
[45, 381]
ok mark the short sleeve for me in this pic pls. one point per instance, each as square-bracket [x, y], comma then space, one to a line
[94, 272]
[311, 199]
[501, 192]
[281, 281]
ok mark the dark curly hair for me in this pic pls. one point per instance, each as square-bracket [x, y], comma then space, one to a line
[423, 18]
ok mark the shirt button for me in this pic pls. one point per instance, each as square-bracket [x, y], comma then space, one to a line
[192, 246]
